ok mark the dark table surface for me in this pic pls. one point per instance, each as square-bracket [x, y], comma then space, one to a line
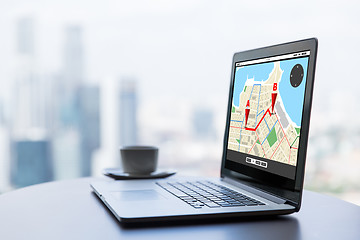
[70, 210]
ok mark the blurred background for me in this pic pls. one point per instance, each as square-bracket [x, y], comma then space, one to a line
[80, 78]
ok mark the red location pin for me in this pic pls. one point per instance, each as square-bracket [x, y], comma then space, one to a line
[273, 97]
[247, 111]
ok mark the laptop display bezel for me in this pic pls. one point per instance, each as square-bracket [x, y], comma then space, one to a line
[280, 186]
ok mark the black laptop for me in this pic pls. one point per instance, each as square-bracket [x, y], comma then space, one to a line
[264, 151]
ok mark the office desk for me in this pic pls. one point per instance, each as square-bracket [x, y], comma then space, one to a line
[70, 210]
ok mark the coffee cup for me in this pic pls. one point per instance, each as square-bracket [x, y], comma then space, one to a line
[139, 160]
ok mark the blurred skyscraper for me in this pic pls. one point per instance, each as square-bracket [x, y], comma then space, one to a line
[66, 142]
[89, 119]
[30, 143]
[27, 89]
[72, 76]
[32, 93]
[128, 130]
[78, 105]
[31, 162]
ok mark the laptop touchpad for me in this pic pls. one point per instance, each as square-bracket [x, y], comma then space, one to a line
[137, 195]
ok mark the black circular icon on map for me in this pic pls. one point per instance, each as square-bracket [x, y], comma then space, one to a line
[296, 75]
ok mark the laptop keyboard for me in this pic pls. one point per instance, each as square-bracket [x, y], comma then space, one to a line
[201, 194]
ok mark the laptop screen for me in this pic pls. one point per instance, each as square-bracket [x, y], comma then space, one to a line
[266, 114]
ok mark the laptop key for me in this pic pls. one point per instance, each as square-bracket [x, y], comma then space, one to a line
[226, 205]
[212, 204]
[237, 204]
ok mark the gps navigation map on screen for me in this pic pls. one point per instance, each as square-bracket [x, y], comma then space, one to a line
[267, 107]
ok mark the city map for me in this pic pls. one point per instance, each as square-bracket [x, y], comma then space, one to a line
[260, 123]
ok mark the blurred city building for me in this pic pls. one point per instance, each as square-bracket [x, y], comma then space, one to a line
[32, 161]
[77, 135]
[128, 127]
[71, 77]
[63, 107]
[30, 143]
[29, 90]
[89, 125]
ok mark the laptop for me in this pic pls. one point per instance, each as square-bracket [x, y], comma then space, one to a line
[264, 147]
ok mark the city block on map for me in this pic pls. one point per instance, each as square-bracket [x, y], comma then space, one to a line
[260, 125]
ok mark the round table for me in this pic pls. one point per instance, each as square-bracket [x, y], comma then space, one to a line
[70, 210]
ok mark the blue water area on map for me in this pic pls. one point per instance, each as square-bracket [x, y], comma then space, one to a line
[293, 98]
[260, 72]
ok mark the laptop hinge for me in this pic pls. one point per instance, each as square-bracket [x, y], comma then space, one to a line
[255, 191]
